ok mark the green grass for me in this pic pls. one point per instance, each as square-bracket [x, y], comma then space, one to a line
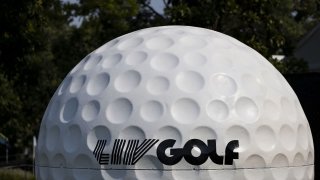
[16, 174]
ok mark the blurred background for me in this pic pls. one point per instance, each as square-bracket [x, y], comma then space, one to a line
[42, 40]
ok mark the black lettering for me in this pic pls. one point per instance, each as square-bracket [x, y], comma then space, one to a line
[230, 154]
[176, 154]
[192, 143]
[212, 148]
[134, 151]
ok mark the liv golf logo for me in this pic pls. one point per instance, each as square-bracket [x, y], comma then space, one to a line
[129, 152]
[133, 151]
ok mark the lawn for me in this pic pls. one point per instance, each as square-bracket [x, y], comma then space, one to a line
[16, 174]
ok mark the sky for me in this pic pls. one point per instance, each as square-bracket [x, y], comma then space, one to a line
[158, 5]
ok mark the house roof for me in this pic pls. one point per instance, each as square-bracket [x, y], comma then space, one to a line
[308, 36]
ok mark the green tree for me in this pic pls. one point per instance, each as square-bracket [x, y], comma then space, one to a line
[268, 26]
[290, 65]
[101, 21]
[27, 74]
[10, 107]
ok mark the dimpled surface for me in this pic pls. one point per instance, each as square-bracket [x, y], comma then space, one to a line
[175, 82]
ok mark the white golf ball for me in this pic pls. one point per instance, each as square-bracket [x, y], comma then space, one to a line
[175, 102]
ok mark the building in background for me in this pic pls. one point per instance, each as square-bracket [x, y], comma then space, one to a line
[307, 86]
[309, 49]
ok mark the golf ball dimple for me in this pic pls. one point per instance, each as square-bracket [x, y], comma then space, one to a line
[174, 102]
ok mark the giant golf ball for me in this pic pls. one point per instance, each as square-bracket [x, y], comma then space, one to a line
[175, 102]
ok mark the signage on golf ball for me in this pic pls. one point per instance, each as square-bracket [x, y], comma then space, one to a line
[174, 103]
[206, 150]
[131, 154]
[128, 152]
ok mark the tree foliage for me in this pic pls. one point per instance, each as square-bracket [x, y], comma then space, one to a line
[268, 26]
[27, 74]
[39, 43]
